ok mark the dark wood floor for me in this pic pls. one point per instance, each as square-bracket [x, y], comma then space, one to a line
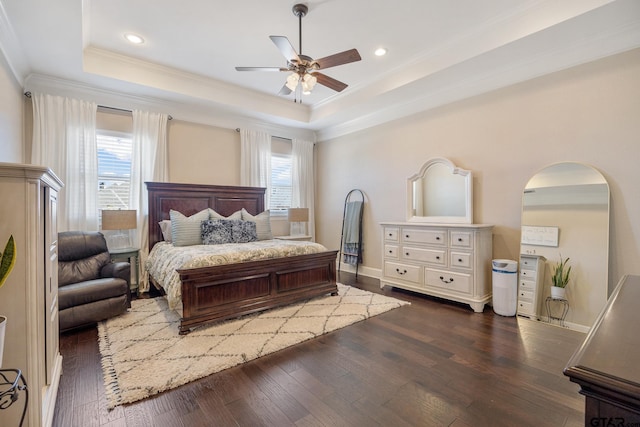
[432, 363]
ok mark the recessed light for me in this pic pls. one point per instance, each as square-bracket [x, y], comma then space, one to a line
[380, 51]
[134, 38]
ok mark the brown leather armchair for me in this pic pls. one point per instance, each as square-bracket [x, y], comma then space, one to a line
[91, 287]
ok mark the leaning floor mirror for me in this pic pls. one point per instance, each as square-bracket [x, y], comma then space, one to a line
[572, 199]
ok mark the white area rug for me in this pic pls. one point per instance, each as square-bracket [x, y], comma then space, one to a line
[142, 353]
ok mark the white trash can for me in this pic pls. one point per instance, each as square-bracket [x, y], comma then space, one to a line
[505, 286]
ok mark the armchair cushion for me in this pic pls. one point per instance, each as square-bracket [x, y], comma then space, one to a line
[90, 291]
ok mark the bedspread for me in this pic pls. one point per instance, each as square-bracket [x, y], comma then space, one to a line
[164, 259]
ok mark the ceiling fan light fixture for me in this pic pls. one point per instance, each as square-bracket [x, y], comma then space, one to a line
[308, 82]
[292, 81]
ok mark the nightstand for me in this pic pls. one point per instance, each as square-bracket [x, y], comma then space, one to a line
[127, 254]
[300, 237]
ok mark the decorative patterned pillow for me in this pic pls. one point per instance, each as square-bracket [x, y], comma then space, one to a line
[219, 231]
[215, 215]
[263, 223]
[243, 231]
[216, 232]
[185, 231]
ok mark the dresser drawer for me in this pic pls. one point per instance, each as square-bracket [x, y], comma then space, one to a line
[461, 239]
[524, 295]
[448, 280]
[409, 273]
[528, 263]
[433, 256]
[527, 285]
[528, 274]
[429, 237]
[525, 307]
[460, 259]
[390, 251]
[391, 234]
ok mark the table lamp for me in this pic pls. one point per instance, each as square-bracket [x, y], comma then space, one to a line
[123, 219]
[298, 216]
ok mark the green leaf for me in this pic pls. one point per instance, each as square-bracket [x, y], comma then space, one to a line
[8, 260]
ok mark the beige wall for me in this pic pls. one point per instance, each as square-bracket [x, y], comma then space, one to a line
[203, 154]
[11, 116]
[587, 114]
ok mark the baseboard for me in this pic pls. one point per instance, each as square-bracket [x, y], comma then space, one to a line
[375, 273]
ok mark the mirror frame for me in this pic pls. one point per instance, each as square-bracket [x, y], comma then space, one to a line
[468, 196]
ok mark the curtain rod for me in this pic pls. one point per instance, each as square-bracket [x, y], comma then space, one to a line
[28, 95]
[274, 136]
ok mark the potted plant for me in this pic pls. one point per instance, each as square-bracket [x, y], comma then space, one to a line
[7, 260]
[560, 278]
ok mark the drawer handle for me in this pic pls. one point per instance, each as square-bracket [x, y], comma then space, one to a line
[437, 237]
[459, 239]
[459, 259]
[390, 251]
[401, 272]
[390, 235]
[406, 253]
[437, 256]
[406, 236]
[446, 281]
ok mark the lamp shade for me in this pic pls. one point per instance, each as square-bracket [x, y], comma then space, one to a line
[298, 214]
[119, 220]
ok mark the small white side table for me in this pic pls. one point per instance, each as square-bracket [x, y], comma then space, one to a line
[127, 254]
[300, 237]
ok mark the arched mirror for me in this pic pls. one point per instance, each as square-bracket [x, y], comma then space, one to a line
[440, 193]
[572, 200]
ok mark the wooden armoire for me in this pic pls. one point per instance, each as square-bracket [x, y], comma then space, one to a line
[29, 297]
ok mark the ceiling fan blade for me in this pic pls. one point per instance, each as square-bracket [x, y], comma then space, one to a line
[285, 47]
[261, 69]
[330, 82]
[284, 91]
[338, 59]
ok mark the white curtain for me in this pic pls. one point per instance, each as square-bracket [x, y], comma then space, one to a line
[255, 160]
[303, 192]
[64, 140]
[149, 162]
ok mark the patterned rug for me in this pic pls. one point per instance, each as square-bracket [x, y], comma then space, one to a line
[144, 342]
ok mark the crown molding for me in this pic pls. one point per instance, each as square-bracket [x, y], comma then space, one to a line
[184, 111]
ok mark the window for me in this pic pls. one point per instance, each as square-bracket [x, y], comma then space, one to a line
[114, 170]
[281, 187]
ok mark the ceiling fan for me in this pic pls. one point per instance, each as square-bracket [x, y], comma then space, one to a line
[303, 68]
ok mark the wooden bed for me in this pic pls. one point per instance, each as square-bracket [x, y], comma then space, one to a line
[222, 292]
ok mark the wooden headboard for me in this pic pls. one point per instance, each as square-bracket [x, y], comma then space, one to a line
[192, 198]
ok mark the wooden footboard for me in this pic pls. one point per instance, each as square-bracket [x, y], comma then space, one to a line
[227, 291]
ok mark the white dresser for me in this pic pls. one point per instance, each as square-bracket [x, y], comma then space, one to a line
[29, 297]
[530, 285]
[451, 261]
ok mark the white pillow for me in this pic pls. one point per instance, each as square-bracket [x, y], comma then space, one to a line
[263, 223]
[165, 226]
[186, 231]
[215, 215]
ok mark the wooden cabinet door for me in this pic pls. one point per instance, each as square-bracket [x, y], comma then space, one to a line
[51, 282]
